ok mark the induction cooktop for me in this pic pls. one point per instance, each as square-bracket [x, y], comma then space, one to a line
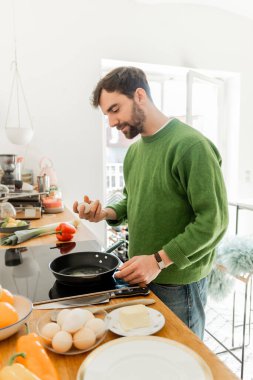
[25, 271]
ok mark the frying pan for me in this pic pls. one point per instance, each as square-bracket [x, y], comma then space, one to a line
[86, 267]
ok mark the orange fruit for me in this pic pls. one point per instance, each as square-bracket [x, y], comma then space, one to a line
[6, 296]
[8, 314]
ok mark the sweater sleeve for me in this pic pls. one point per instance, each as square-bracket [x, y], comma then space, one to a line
[198, 175]
[121, 211]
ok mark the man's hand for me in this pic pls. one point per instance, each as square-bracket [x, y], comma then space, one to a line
[96, 212]
[139, 270]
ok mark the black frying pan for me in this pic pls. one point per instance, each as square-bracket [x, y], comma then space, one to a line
[86, 267]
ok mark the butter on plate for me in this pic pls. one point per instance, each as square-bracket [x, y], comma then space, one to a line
[134, 317]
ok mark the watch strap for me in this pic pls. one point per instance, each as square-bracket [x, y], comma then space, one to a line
[159, 260]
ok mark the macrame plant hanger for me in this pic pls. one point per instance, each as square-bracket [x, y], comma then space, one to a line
[18, 133]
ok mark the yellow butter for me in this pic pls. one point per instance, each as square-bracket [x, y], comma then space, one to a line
[134, 317]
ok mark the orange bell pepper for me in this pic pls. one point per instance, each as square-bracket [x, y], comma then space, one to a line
[36, 358]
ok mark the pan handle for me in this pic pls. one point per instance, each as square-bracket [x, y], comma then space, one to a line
[114, 246]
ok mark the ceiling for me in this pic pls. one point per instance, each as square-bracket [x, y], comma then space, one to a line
[239, 7]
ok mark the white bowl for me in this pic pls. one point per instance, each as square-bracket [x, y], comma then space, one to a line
[24, 308]
[19, 135]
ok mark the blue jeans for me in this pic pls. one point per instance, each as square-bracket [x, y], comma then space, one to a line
[186, 301]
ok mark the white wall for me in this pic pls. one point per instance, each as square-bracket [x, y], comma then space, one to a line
[60, 45]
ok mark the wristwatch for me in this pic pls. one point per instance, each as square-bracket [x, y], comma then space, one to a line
[159, 261]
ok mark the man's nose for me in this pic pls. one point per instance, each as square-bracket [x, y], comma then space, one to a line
[113, 121]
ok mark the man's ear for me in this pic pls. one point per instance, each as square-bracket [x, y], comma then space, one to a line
[140, 96]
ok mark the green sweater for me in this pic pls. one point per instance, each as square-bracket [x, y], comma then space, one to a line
[175, 199]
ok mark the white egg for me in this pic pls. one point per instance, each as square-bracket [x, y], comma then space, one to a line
[84, 338]
[62, 341]
[86, 207]
[97, 325]
[62, 315]
[87, 315]
[74, 320]
[49, 330]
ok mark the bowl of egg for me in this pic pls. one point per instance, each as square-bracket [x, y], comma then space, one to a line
[72, 331]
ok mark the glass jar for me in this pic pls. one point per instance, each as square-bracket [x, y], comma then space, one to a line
[53, 202]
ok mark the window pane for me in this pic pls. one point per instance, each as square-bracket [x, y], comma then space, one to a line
[175, 97]
[205, 109]
[155, 88]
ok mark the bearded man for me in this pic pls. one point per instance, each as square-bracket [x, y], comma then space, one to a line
[174, 202]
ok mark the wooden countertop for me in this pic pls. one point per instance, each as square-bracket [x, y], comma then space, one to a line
[174, 329]
[82, 234]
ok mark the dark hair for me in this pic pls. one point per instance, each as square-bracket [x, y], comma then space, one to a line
[124, 80]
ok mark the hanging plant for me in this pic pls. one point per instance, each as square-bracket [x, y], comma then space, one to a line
[18, 127]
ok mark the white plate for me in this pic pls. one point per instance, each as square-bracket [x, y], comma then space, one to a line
[157, 322]
[143, 358]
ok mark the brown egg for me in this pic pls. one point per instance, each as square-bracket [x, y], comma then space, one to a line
[62, 341]
[97, 325]
[49, 330]
[84, 338]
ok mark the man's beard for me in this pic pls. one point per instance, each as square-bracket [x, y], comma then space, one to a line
[136, 124]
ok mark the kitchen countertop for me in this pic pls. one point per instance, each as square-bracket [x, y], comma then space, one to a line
[82, 234]
[174, 329]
